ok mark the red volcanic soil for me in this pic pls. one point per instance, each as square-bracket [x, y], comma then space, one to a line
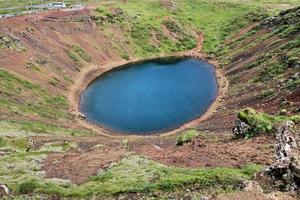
[47, 36]
[77, 167]
[208, 150]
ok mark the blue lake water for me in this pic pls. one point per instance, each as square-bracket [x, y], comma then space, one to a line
[150, 97]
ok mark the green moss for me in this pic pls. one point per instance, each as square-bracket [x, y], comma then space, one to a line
[291, 45]
[289, 30]
[60, 146]
[261, 123]
[251, 169]
[77, 53]
[17, 143]
[100, 10]
[186, 136]
[32, 66]
[125, 56]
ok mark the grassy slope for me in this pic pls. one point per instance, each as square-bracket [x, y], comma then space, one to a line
[44, 104]
[22, 170]
[275, 67]
[145, 19]
[22, 99]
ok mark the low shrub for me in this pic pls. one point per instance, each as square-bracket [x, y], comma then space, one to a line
[26, 187]
[172, 26]
[267, 94]
[72, 56]
[82, 54]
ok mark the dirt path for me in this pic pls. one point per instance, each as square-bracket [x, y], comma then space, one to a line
[91, 72]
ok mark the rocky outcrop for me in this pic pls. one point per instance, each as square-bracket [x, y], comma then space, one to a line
[240, 129]
[113, 16]
[291, 16]
[11, 42]
[4, 191]
[286, 169]
[172, 5]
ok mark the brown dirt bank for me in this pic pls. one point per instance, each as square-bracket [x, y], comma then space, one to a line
[208, 150]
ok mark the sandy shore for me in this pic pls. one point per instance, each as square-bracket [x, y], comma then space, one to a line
[88, 74]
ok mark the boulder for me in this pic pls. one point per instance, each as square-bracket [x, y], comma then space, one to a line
[240, 129]
[251, 186]
[171, 5]
[287, 17]
[4, 190]
[286, 169]
[81, 116]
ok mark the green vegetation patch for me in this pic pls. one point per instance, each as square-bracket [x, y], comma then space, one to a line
[187, 136]
[21, 165]
[81, 53]
[261, 123]
[146, 21]
[28, 99]
[76, 53]
[133, 174]
[277, 63]
[26, 187]
[73, 57]
[21, 143]
[267, 94]
[151, 28]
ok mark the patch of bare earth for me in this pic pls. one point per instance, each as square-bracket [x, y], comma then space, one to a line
[255, 195]
[90, 157]
[209, 151]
